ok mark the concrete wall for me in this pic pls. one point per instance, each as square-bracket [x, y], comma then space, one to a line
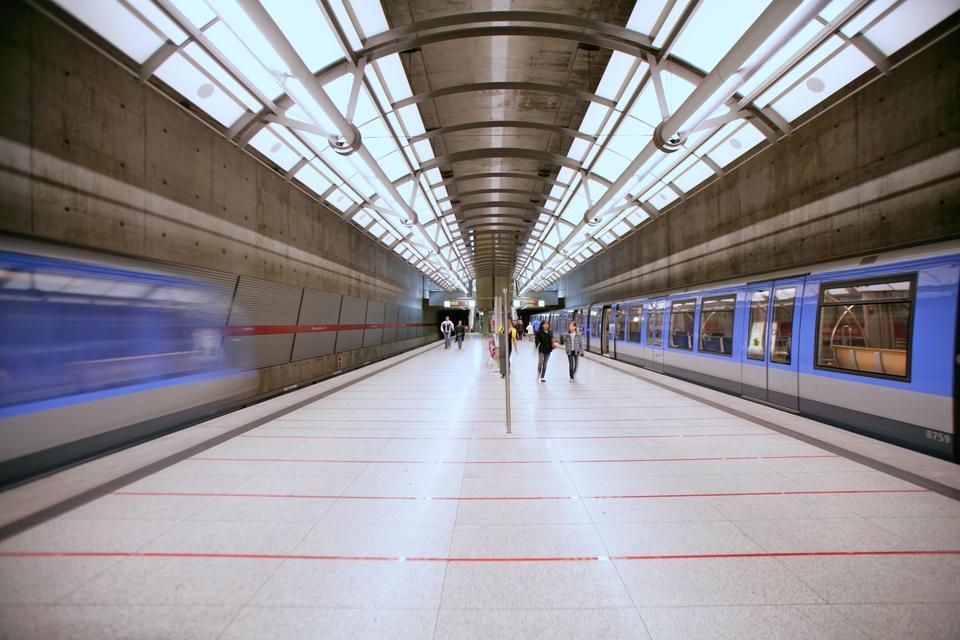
[93, 157]
[879, 170]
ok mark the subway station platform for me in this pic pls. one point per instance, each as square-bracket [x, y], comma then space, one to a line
[398, 507]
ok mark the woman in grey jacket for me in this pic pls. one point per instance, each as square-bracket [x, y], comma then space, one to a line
[573, 342]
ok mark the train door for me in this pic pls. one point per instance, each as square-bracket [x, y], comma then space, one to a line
[619, 327]
[607, 331]
[653, 344]
[770, 369]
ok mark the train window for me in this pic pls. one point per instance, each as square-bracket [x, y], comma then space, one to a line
[681, 324]
[595, 324]
[633, 326]
[655, 324]
[757, 333]
[864, 326]
[781, 328]
[620, 322]
[716, 325]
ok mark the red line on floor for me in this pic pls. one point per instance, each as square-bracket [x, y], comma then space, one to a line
[468, 559]
[649, 496]
[627, 437]
[599, 461]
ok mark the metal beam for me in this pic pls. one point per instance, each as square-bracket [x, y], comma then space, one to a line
[502, 124]
[497, 174]
[519, 153]
[480, 192]
[494, 204]
[586, 96]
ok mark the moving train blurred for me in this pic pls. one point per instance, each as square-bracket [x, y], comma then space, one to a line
[99, 351]
[868, 344]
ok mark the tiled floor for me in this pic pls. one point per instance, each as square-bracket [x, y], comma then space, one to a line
[399, 508]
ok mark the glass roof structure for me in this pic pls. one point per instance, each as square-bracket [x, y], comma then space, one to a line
[318, 89]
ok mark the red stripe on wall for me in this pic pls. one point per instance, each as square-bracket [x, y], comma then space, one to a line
[265, 330]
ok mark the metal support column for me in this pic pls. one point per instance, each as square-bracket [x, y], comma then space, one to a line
[505, 319]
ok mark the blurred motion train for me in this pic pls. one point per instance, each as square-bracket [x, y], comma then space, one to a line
[99, 351]
[868, 344]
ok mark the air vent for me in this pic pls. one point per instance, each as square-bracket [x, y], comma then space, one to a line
[413, 50]
[446, 173]
[544, 173]
[868, 260]
[586, 46]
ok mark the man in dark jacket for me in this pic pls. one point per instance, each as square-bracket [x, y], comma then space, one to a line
[544, 341]
[459, 332]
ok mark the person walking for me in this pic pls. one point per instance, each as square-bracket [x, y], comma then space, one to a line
[545, 344]
[460, 331]
[446, 328]
[530, 329]
[573, 343]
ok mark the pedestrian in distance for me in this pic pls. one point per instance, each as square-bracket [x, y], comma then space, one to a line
[573, 343]
[530, 330]
[446, 328]
[460, 331]
[543, 339]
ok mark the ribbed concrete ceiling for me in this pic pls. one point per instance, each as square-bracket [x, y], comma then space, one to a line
[498, 177]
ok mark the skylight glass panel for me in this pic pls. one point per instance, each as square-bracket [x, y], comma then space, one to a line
[824, 82]
[865, 16]
[629, 138]
[736, 145]
[291, 140]
[378, 91]
[637, 217]
[680, 167]
[338, 90]
[153, 14]
[394, 76]
[908, 21]
[312, 178]
[694, 176]
[593, 118]
[834, 9]
[613, 76]
[191, 83]
[251, 37]
[663, 197]
[346, 25]
[216, 71]
[394, 166]
[376, 230]
[424, 150]
[197, 13]
[608, 237]
[307, 29]
[369, 16]
[672, 19]
[339, 200]
[230, 46]
[714, 27]
[410, 117]
[116, 24]
[646, 108]
[377, 138]
[801, 69]
[267, 143]
[780, 57]
[676, 89]
[577, 148]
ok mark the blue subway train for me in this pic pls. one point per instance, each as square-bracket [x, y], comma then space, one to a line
[868, 344]
[98, 352]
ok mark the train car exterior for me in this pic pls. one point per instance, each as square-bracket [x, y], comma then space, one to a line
[869, 345]
[100, 351]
